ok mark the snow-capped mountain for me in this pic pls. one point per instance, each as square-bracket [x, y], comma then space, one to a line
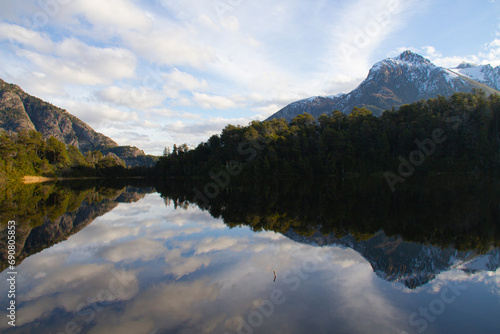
[392, 83]
[485, 74]
[408, 263]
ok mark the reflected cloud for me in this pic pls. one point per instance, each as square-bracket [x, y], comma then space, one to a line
[209, 245]
[137, 249]
[184, 271]
[72, 287]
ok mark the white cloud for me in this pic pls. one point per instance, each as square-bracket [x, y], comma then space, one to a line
[492, 53]
[208, 245]
[97, 114]
[136, 98]
[181, 266]
[74, 62]
[26, 37]
[108, 17]
[179, 80]
[195, 132]
[431, 51]
[171, 46]
[213, 101]
[163, 112]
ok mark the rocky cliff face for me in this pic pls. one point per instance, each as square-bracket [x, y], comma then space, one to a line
[396, 81]
[21, 111]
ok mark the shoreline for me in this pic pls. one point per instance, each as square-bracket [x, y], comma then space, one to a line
[29, 179]
[37, 179]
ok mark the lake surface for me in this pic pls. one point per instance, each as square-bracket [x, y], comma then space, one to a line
[147, 260]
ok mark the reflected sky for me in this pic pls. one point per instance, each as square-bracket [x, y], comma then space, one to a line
[147, 267]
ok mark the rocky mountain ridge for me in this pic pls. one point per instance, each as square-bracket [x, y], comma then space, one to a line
[20, 111]
[396, 81]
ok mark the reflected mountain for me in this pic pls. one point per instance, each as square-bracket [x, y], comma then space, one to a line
[49, 213]
[427, 226]
[432, 224]
[409, 263]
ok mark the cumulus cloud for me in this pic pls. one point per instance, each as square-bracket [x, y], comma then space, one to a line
[178, 80]
[98, 114]
[172, 47]
[116, 14]
[195, 132]
[73, 62]
[135, 98]
[213, 101]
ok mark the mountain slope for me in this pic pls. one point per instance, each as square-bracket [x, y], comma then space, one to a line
[316, 105]
[21, 111]
[392, 83]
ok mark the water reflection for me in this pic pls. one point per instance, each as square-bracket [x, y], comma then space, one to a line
[162, 265]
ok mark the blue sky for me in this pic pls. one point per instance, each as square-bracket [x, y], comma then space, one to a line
[158, 72]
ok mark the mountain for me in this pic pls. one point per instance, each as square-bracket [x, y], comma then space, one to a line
[315, 105]
[391, 83]
[408, 263]
[20, 111]
[484, 74]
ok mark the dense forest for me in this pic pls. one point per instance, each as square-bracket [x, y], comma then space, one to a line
[27, 153]
[459, 134]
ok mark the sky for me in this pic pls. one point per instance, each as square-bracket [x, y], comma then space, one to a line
[157, 72]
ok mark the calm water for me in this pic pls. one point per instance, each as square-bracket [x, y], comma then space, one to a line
[132, 261]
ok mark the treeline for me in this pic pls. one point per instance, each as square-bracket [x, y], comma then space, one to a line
[27, 153]
[458, 134]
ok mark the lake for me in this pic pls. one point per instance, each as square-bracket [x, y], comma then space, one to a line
[350, 257]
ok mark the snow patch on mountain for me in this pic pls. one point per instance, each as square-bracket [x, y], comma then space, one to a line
[484, 74]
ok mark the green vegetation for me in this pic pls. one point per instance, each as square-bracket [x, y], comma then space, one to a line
[339, 145]
[27, 153]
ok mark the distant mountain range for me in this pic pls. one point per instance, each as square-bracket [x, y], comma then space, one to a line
[21, 111]
[408, 263]
[401, 80]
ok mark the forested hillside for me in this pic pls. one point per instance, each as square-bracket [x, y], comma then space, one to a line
[459, 134]
[27, 153]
